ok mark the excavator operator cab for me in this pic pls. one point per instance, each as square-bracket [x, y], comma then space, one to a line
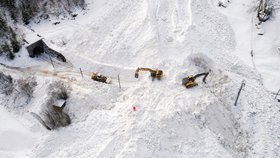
[190, 78]
[157, 74]
[189, 81]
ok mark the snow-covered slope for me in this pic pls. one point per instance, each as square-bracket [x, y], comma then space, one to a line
[264, 48]
[16, 139]
[181, 37]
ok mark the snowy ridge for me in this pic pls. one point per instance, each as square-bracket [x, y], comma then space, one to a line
[181, 37]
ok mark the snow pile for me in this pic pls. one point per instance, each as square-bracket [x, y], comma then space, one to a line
[179, 37]
[16, 139]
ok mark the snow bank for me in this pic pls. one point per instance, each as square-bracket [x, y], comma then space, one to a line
[16, 139]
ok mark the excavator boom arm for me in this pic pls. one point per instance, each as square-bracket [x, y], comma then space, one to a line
[202, 74]
[142, 69]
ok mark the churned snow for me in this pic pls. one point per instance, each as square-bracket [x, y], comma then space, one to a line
[180, 37]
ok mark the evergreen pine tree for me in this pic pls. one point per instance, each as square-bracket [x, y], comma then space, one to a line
[14, 42]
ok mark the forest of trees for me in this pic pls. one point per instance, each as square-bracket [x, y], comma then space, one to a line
[264, 10]
[21, 12]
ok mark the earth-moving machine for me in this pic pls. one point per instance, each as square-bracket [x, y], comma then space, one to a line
[189, 81]
[100, 78]
[154, 73]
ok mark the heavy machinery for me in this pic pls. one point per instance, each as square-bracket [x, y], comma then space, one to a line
[100, 78]
[154, 73]
[189, 81]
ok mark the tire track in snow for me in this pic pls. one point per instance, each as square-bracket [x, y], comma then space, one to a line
[171, 19]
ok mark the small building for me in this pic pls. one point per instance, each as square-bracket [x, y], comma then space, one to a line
[36, 48]
[39, 47]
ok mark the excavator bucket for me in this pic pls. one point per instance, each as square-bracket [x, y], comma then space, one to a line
[204, 78]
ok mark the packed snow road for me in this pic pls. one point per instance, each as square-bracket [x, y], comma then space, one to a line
[181, 37]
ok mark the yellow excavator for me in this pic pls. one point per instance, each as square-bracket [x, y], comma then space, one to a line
[154, 73]
[100, 78]
[189, 81]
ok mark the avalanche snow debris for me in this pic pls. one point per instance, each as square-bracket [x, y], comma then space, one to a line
[114, 37]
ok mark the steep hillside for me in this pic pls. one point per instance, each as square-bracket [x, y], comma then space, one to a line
[15, 13]
[180, 37]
